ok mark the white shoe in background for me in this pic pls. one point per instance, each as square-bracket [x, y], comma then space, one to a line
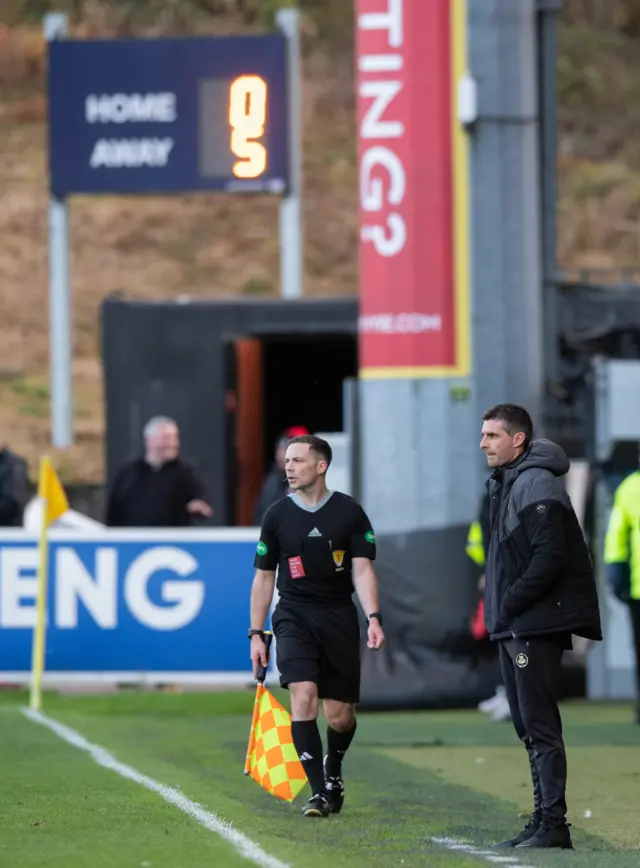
[488, 705]
[501, 711]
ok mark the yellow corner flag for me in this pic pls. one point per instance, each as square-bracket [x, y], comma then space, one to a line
[54, 504]
[51, 492]
[272, 760]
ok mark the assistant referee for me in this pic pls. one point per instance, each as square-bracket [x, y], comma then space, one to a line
[323, 545]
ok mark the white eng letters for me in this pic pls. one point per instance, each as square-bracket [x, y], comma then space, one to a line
[98, 587]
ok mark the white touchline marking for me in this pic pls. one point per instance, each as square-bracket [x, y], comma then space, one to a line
[467, 847]
[244, 846]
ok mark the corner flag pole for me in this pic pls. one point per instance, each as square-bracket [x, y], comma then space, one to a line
[37, 654]
[38, 646]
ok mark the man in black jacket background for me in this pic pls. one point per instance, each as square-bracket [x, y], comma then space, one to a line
[275, 485]
[159, 489]
[539, 590]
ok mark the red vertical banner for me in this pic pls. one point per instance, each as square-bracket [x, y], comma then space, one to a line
[413, 186]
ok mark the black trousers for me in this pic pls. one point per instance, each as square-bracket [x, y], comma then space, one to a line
[531, 670]
[634, 613]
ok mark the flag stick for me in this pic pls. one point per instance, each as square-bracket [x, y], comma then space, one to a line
[262, 674]
[38, 646]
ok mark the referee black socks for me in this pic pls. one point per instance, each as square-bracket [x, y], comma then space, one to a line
[337, 746]
[308, 744]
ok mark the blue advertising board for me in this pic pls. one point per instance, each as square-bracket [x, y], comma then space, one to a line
[131, 602]
[166, 115]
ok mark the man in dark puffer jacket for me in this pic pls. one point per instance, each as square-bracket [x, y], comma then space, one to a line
[539, 590]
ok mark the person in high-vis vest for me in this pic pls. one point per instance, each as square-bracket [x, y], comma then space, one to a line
[479, 533]
[622, 557]
[475, 549]
[475, 545]
[477, 541]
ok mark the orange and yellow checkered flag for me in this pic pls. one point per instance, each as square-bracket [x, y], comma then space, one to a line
[272, 760]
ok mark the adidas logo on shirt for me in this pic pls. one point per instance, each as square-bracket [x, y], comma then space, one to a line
[315, 532]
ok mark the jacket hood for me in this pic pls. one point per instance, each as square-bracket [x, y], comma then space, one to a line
[547, 455]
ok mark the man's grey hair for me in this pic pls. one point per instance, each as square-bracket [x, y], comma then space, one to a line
[156, 423]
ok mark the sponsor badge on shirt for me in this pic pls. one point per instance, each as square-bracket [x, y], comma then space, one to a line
[296, 568]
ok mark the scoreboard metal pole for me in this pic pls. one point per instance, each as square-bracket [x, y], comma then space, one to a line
[60, 331]
[291, 231]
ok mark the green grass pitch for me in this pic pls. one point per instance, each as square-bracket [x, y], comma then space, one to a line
[412, 778]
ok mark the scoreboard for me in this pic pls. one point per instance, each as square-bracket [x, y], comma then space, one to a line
[169, 115]
[161, 116]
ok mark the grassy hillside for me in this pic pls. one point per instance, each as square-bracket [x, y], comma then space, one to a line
[215, 245]
[599, 149]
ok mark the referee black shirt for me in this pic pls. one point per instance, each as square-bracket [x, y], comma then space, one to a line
[313, 548]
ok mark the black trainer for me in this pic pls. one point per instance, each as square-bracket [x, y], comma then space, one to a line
[528, 832]
[335, 791]
[547, 837]
[317, 806]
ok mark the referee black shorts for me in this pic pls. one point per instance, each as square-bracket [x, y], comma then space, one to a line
[319, 644]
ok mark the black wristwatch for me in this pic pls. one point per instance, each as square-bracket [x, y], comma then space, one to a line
[254, 632]
[376, 615]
